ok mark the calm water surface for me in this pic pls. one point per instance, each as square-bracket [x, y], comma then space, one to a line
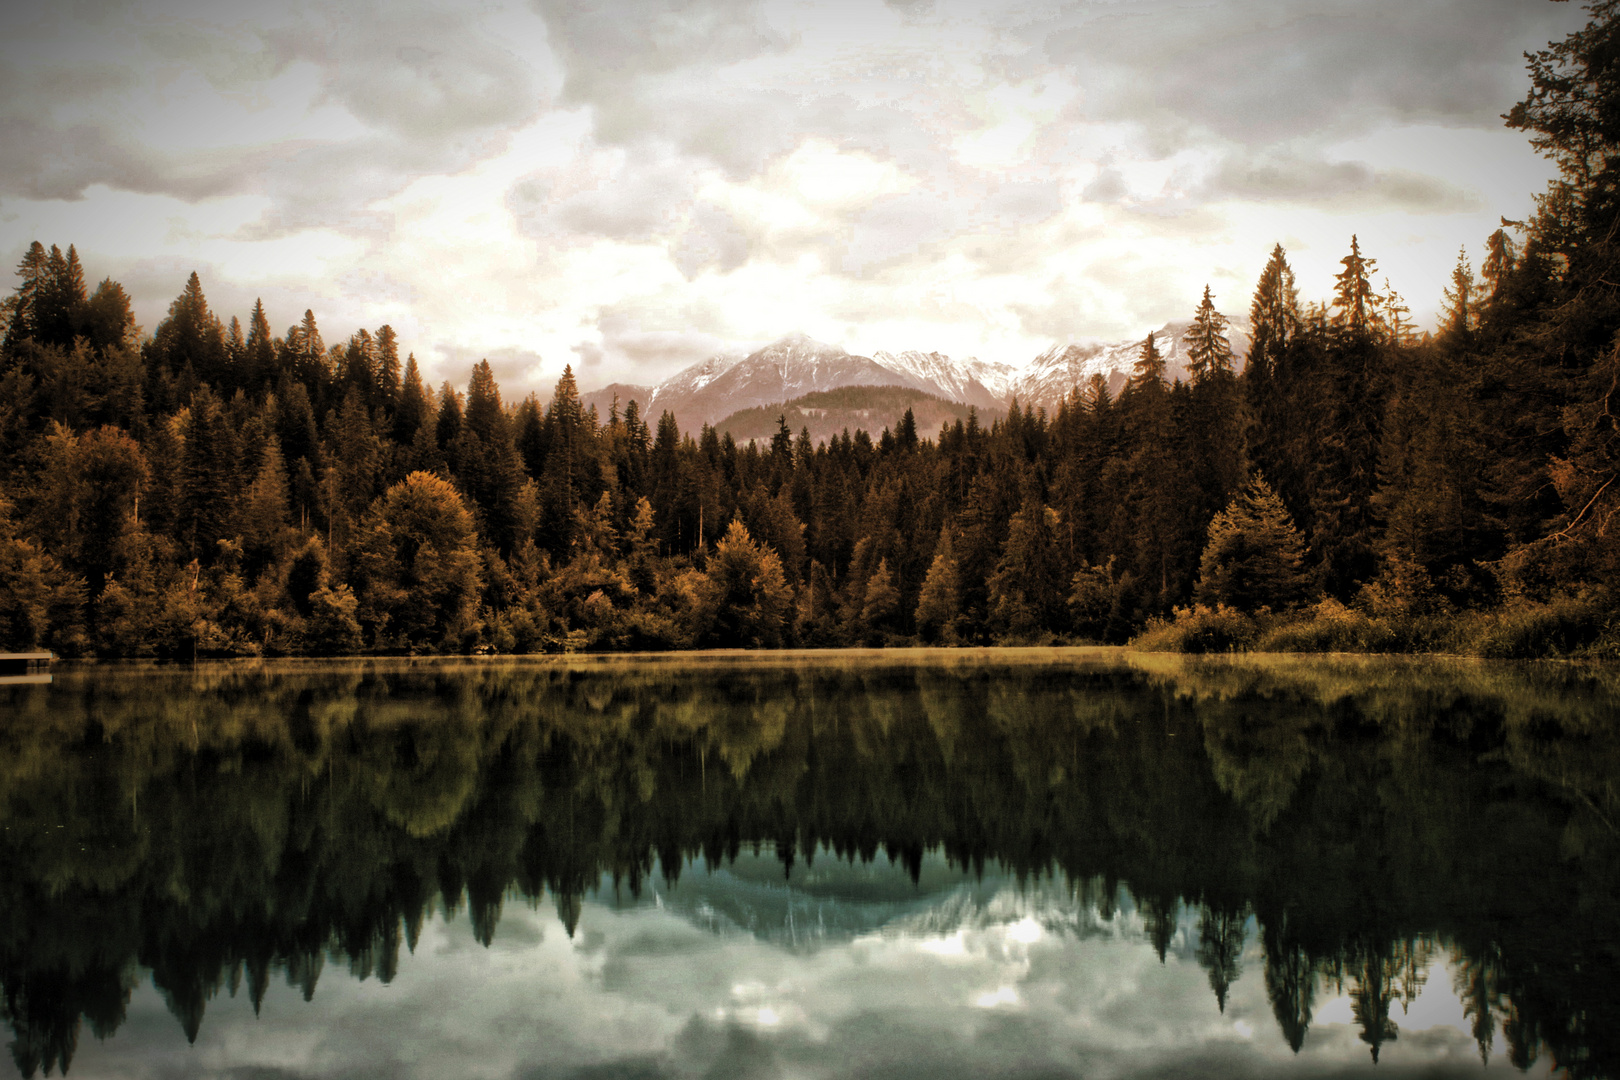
[937, 864]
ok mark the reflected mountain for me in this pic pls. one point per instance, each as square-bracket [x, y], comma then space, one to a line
[1348, 821]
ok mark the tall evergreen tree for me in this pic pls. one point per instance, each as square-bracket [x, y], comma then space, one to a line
[259, 351]
[1459, 318]
[30, 297]
[414, 410]
[489, 467]
[1148, 371]
[387, 370]
[1270, 385]
[209, 480]
[191, 338]
[1209, 352]
[1353, 294]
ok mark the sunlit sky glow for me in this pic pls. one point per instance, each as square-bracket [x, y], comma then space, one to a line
[631, 187]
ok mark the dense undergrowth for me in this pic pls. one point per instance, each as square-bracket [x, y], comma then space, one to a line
[1578, 629]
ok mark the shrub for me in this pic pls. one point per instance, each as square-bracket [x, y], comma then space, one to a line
[1526, 631]
[1200, 629]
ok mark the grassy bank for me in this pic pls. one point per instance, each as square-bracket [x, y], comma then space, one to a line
[1561, 629]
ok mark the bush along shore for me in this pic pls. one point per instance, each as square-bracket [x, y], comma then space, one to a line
[216, 489]
[1570, 629]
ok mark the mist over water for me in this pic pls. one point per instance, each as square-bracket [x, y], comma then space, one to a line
[1021, 863]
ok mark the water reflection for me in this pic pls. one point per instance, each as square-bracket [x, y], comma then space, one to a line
[1319, 837]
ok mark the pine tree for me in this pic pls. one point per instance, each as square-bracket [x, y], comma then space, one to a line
[1026, 593]
[1458, 319]
[1148, 371]
[1274, 318]
[1209, 353]
[359, 367]
[1501, 257]
[208, 478]
[108, 319]
[1255, 557]
[414, 410]
[259, 352]
[447, 425]
[355, 460]
[572, 474]
[1270, 384]
[263, 512]
[191, 338]
[939, 603]
[60, 315]
[487, 461]
[387, 372]
[881, 600]
[309, 356]
[1353, 294]
[30, 297]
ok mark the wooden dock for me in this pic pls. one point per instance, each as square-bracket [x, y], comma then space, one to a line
[25, 667]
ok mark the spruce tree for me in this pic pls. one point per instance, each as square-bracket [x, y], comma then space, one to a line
[939, 602]
[309, 356]
[1148, 371]
[387, 368]
[413, 410]
[259, 352]
[1458, 319]
[108, 319]
[1501, 256]
[1270, 386]
[191, 338]
[30, 297]
[1209, 353]
[1353, 293]
[488, 463]
[209, 481]
[1255, 557]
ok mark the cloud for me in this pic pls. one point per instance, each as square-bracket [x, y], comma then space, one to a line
[1269, 70]
[633, 186]
[635, 342]
[323, 110]
[714, 240]
[1346, 184]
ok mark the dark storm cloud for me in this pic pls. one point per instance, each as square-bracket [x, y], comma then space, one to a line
[429, 91]
[1271, 69]
[417, 73]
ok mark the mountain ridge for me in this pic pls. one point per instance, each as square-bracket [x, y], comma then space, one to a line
[778, 374]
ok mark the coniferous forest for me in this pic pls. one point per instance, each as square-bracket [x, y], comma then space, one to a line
[216, 489]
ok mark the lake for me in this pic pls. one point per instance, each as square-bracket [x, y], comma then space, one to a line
[955, 863]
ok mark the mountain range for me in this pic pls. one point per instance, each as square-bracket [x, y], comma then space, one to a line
[715, 389]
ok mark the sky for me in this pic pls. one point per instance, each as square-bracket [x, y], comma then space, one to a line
[646, 993]
[630, 187]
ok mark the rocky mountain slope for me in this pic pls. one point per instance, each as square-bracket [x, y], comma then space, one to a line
[1055, 372]
[786, 370]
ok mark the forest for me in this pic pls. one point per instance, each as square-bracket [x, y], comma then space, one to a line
[214, 489]
[224, 827]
